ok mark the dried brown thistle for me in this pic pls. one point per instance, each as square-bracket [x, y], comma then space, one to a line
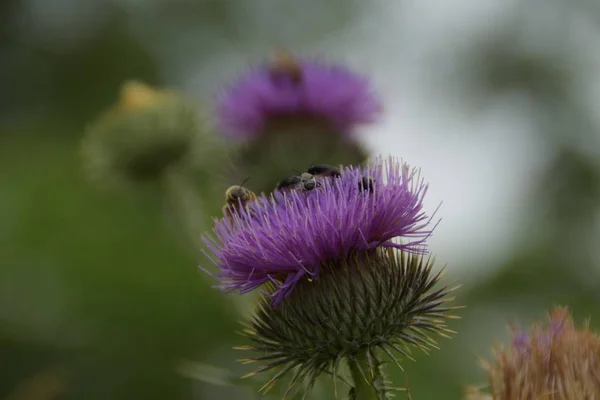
[557, 361]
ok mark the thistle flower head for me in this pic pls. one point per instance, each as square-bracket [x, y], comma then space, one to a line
[286, 237]
[555, 361]
[145, 133]
[291, 113]
[296, 89]
[337, 284]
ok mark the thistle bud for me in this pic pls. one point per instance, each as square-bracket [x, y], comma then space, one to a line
[144, 134]
[291, 113]
[337, 283]
[555, 361]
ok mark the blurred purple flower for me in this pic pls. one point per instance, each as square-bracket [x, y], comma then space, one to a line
[520, 342]
[286, 237]
[331, 93]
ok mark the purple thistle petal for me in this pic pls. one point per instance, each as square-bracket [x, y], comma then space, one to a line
[334, 93]
[288, 235]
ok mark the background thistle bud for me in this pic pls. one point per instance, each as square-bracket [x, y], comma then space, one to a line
[338, 285]
[144, 134]
[292, 113]
[556, 360]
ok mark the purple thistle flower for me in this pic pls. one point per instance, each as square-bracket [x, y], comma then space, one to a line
[338, 284]
[331, 93]
[288, 236]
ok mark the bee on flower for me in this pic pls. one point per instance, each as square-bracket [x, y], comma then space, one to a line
[293, 110]
[344, 274]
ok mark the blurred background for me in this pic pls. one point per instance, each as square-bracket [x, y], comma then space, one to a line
[497, 102]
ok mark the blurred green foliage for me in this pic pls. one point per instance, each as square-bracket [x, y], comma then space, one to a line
[104, 285]
[97, 280]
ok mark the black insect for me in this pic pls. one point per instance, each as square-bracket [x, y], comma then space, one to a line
[366, 184]
[289, 182]
[309, 180]
[324, 170]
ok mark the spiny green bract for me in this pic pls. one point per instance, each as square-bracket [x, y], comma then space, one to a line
[382, 300]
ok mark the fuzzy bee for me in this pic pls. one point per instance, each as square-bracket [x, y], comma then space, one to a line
[285, 64]
[237, 197]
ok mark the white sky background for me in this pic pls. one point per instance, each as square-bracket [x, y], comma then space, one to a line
[478, 165]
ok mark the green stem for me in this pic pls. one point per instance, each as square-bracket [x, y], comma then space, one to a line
[367, 375]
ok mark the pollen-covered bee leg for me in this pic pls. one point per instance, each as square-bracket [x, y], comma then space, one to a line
[366, 184]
